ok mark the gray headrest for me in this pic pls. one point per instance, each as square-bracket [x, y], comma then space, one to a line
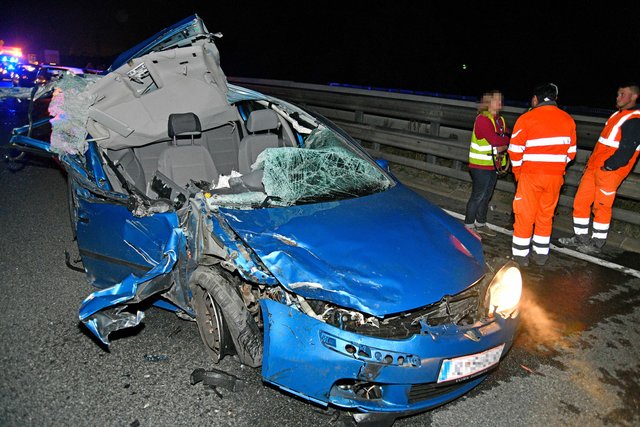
[260, 120]
[184, 124]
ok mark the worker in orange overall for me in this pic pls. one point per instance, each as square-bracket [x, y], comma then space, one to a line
[611, 161]
[542, 143]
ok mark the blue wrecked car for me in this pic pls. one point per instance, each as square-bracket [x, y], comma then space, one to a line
[275, 231]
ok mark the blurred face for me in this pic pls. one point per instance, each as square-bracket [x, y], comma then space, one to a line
[495, 104]
[626, 98]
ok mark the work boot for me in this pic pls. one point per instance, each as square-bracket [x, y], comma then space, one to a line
[588, 248]
[539, 259]
[575, 240]
[483, 229]
[522, 261]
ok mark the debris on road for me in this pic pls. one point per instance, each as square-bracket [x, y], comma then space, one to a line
[155, 357]
[216, 378]
[531, 371]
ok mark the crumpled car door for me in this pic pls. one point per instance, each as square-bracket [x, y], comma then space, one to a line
[114, 243]
[127, 256]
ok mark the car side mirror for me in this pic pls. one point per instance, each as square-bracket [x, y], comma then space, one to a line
[384, 164]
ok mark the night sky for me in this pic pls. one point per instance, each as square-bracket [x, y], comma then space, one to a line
[587, 48]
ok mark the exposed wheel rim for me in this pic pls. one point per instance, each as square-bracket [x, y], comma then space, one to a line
[209, 319]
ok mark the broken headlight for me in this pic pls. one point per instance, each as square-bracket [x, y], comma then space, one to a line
[505, 290]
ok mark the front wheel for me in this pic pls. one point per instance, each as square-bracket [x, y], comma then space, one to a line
[211, 325]
[221, 313]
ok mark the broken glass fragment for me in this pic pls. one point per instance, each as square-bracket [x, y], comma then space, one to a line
[325, 170]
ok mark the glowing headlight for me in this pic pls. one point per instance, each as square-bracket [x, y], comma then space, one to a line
[505, 290]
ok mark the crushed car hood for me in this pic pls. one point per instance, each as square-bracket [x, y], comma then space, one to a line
[381, 254]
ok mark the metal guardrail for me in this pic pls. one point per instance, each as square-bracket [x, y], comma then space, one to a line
[438, 128]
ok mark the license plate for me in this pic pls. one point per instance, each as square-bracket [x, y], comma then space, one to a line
[464, 366]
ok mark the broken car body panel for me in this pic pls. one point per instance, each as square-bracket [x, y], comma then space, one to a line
[112, 241]
[302, 353]
[292, 241]
[138, 242]
[390, 273]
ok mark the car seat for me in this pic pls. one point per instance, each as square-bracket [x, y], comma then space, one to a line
[185, 161]
[261, 126]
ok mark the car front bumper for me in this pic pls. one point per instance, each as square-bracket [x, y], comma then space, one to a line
[327, 365]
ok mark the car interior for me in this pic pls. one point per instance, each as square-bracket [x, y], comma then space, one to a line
[169, 125]
[190, 154]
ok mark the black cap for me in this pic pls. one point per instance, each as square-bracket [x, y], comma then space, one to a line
[546, 92]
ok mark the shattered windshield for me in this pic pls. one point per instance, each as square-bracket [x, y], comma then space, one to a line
[324, 169]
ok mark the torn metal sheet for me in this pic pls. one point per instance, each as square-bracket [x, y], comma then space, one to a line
[243, 258]
[131, 290]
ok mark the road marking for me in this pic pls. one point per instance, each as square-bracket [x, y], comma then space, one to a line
[566, 251]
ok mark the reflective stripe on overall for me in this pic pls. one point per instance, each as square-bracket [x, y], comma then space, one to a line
[597, 189]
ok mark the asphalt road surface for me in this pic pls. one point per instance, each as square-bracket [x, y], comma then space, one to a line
[576, 359]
